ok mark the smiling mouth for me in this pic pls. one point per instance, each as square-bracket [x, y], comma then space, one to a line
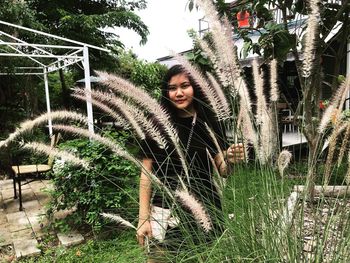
[180, 101]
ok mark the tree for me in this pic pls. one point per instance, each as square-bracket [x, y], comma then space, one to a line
[85, 20]
[79, 20]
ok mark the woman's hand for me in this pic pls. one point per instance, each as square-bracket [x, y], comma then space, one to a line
[235, 153]
[144, 229]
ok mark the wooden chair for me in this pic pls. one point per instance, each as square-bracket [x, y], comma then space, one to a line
[18, 171]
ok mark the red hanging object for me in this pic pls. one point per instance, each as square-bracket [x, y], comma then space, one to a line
[243, 18]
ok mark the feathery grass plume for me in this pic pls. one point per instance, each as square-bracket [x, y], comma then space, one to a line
[331, 148]
[223, 43]
[266, 138]
[261, 108]
[118, 219]
[144, 99]
[226, 52]
[274, 95]
[120, 104]
[149, 127]
[310, 37]
[105, 141]
[214, 94]
[225, 49]
[344, 144]
[345, 94]
[224, 105]
[113, 147]
[283, 161]
[347, 176]
[118, 118]
[136, 118]
[48, 150]
[248, 132]
[336, 103]
[215, 62]
[196, 208]
[218, 66]
[30, 124]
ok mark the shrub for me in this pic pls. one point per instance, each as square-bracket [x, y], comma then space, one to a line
[108, 185]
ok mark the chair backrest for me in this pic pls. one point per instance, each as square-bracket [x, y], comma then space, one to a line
[54, 140]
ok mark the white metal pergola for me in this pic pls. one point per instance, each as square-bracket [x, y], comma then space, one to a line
[46, 60]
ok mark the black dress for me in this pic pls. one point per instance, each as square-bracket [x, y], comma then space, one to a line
[167, 165]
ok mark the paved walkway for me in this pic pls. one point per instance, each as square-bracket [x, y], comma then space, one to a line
[23, 229]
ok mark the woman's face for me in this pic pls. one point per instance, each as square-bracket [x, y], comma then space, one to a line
[181, 93]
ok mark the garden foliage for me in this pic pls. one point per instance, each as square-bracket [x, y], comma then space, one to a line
[108, 185]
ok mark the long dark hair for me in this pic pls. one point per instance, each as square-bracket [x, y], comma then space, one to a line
[205, 113]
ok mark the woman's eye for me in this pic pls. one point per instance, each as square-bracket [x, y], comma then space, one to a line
[172, 88]
[185, 85]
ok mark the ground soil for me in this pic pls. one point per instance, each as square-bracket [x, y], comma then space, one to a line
[325, 230]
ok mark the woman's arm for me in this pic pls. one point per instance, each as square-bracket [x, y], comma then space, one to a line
[234, 154]
[144, 225]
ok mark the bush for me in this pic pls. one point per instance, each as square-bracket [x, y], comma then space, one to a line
[108, 185]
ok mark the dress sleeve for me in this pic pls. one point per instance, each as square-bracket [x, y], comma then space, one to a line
[147, 148]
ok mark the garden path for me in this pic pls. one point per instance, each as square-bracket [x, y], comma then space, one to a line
[23, 229]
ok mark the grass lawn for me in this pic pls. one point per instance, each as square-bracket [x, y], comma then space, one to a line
[118, 249]
[249, 194]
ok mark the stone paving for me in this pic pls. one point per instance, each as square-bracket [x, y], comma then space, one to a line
[23, 229]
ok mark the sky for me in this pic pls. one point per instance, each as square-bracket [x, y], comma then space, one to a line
[168, 22]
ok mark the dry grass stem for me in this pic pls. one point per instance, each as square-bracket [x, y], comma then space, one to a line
[261, 108]
[310, 37]
[213, 138]
[30, 124]
[347, 176]
[122, 107]
[136, 117]
[118, 118]
[274, 96]
[149, 127]
[218, 180]
[196, 208]
[244, 96]
[48, 150]
[222, 101]
[216, 64]
[105, 141]
[331, 148]
[266, 138]
[118, 219]
[336, 103]
[344, 144]
[283, 161]
[248, 130]
[225, 49]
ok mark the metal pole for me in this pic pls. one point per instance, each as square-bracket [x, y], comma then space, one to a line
[47, 99]
[53, 36]
[86, 65]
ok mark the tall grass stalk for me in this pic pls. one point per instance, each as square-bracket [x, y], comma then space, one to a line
[27, 126]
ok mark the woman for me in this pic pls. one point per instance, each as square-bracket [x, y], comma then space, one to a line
[183, 99]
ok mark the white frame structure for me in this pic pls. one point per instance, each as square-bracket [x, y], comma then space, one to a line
[74, 53]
